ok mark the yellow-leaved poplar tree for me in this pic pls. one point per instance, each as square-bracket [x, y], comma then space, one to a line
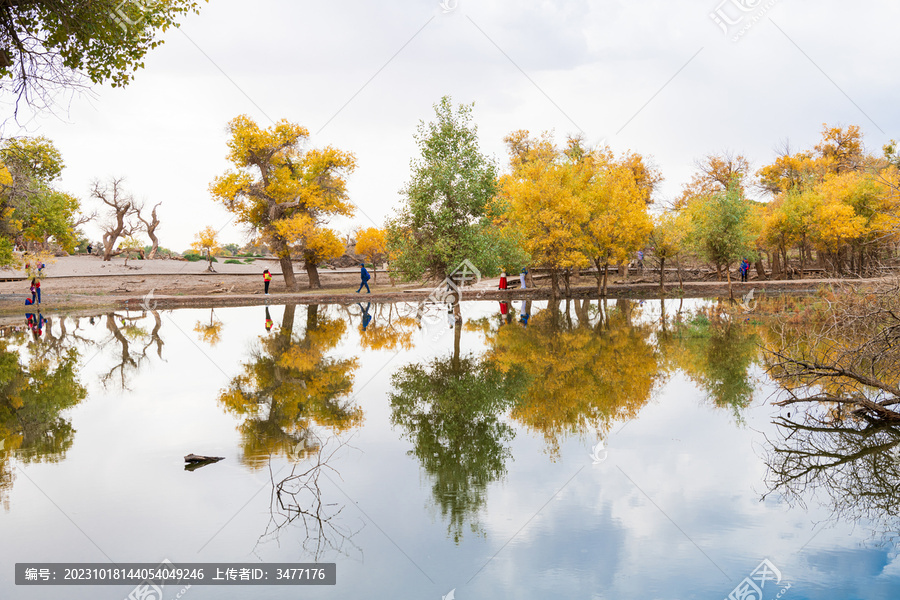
[206, 242]
[371, 242]
[542, 203]
[285, 193]
[618, 223]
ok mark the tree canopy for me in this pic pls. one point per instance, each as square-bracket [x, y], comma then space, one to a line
[50, 45]
[286, 194]
[447, 215]
[33, 212]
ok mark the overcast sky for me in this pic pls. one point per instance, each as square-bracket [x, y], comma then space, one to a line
[658, 77]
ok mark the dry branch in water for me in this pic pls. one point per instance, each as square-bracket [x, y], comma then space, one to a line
[845, 357]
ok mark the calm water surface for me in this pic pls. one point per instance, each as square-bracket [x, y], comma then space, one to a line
[421, 458]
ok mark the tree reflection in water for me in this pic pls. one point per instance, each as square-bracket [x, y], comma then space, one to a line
[289, 394]
[290, 385]
[450, 409]
[584, 372]
[132, 341]
[37, 382]
[715, 353]
[851, 466]
[569, 370]
[838, 369]
[299, 499]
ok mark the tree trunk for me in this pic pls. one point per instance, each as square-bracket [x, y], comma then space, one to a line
[662, 314]
[313, 273]
[154, 245]
[554, 284]
[605, 278]
[599, 277]
[457, 336]
[581, 311]
[760, 269]
[730, 291]
[802, 261]
[287, 269]
[109, 243]
[678, 267]
[662, 275]
[312, 317]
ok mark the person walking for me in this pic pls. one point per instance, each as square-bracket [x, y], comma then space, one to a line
[502, 281]
[267, 279]
[522, 278]
[745, 268]
[364, 276]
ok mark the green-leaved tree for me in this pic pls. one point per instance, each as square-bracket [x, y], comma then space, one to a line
[447, 212]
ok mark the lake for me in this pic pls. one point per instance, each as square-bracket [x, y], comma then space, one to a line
[527, 451]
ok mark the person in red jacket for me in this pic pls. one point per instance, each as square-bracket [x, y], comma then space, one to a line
[267, 278]
[35, 291]
[502, 280]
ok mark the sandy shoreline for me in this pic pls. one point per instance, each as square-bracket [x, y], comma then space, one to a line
[80, 283]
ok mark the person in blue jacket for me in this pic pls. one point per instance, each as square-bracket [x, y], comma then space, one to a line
[364, 275]
[744, 269]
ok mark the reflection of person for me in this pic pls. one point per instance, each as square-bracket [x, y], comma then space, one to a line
[366, 317]
[524, 314]
[35, 324]
[502, 281]
[522, 278]
[364, 277]
[504, 313]
[268, 320]
[267, 279]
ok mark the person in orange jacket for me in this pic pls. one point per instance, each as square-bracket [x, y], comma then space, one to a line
[267, 278]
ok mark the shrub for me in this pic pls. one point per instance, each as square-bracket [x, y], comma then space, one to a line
[232, 261]
[194, 257]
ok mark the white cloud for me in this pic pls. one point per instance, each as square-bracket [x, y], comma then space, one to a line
[593, 66]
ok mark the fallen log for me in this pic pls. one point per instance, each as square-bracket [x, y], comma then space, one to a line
[195, 458]
[195, 461]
